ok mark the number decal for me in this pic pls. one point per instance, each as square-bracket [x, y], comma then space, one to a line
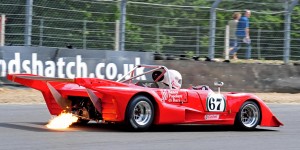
[215, 102]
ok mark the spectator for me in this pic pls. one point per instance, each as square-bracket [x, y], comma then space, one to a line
[232, 34]
[243, 34]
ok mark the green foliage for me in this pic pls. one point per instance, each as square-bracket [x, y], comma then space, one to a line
[190, 54]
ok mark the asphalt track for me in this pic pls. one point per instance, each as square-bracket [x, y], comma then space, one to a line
[23, 127]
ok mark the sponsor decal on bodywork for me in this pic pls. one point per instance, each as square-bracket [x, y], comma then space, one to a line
[173, 96]
[212, 117]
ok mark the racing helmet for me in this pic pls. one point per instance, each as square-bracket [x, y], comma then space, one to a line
[175, 77]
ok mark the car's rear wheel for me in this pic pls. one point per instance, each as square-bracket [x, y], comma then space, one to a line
[249, 116]
[140, 113]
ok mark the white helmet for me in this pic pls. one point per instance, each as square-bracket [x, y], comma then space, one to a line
[175, 77]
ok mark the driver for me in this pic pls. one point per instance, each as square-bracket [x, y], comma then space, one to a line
[175, 78]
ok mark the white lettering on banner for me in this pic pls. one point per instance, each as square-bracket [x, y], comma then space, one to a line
[15, 63]
[60, 67]
[25, 66]
[69, 68]
[50, 68]
[3, 66]
[98, 70]
[63, 69]
[111, 71]
[37, 65]
[81, 67]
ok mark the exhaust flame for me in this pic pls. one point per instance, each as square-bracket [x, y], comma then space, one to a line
[62, 121]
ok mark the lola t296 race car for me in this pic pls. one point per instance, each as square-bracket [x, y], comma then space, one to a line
[142, 103]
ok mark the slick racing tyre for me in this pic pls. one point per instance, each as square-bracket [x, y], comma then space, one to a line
[140, 113]
[248, 117]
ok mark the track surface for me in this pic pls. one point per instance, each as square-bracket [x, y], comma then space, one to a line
[23, 127]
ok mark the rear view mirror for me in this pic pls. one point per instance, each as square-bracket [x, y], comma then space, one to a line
[218, 83]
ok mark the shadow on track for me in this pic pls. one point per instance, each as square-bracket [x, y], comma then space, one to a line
[95, 127]
[24, 126]
[200, 128]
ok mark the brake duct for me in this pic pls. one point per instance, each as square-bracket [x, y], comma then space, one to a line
[65, 104]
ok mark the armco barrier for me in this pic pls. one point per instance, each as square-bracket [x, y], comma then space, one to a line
[68, 63]
[238, 77]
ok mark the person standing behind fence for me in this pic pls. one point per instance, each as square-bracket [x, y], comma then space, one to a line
[243, 33]
[232, 34]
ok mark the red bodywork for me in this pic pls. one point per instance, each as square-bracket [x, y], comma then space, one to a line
[172, 106]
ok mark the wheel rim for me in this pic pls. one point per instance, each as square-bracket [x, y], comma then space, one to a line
[142, 113]
[249, 115]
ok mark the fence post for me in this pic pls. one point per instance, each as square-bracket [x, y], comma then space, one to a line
[198, 41]
[2, 30]
[41, 32]
[122, 25]
[84, 34]
[28, 23]
[212, 32]
[287, 30]
[117, 33]
[226, 42]
[258, 44]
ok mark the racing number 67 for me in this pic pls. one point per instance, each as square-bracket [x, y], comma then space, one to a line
[215, 103]
[212, 104]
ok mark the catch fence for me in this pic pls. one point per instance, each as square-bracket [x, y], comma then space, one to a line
[179, 28]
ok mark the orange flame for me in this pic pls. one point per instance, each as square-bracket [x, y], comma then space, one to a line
[62, 121]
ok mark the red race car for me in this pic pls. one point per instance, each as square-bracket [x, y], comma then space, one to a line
[140, 103]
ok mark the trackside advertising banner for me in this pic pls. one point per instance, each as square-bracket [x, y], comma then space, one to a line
[70, 63]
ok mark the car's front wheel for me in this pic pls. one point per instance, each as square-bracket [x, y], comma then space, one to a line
[249, 116]
[140, 113]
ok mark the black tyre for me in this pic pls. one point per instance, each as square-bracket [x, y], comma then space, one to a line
[248, 117]
[140, 113]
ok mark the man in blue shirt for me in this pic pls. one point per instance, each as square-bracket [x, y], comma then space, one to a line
[242, 33]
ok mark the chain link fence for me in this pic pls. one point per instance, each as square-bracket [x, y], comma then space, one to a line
[168, 29]
[179, 28]
[266, 27]
[61, 23]
[295, 33]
